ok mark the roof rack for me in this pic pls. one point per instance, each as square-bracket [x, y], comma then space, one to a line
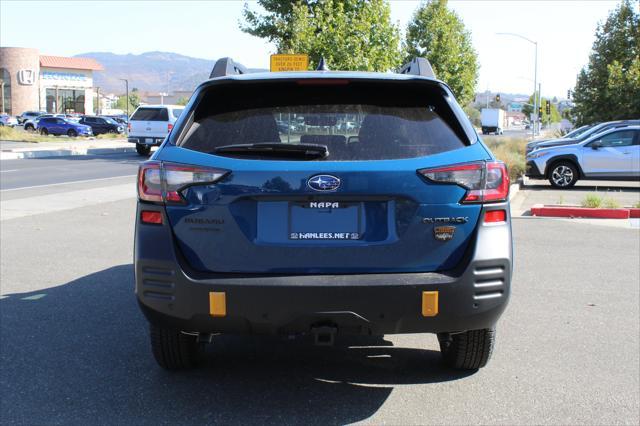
[418, 66]
[226, 66]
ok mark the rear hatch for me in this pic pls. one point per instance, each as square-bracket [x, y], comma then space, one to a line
[151, 122]
[269, 178]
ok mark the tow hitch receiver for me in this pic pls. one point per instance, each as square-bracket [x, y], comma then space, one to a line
[324, 335]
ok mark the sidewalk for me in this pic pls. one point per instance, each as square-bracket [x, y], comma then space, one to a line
[12, 150]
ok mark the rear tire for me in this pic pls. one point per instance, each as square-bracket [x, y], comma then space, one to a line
[563, 174]
[470, 350]
[44, 131]
[172, 349]
[143, 149]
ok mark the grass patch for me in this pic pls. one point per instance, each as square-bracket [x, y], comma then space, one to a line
[637, 205]
[111, 136]
[10, 134]
[610, 203]
[593, 201]
[511, 151]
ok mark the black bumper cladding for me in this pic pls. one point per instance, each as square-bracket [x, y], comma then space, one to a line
[532, 171]
[474, 297]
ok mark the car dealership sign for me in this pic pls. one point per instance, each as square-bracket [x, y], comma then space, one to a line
[26, 77]
[67, 76]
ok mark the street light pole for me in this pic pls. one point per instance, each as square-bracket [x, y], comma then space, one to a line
[126, 84]
[535, 79]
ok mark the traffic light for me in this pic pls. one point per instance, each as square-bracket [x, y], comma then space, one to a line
[540, 111]
[548, 107]
[498, 98]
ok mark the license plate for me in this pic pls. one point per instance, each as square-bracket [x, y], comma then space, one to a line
[324, 221]
[148, 140]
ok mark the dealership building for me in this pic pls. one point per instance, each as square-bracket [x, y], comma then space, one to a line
[55, 84]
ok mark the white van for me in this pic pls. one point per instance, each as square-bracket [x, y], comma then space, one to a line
[150, 124]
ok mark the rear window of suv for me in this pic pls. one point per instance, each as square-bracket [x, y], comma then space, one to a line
[151, 114]
[355, 121]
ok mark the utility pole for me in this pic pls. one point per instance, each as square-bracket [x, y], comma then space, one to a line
[98, 103]
[540, 105]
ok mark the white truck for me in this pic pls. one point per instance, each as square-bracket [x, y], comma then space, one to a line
[492, 120]
[150, 124]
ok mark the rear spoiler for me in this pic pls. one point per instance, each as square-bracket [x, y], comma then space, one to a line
[226, 66]
[418, 66]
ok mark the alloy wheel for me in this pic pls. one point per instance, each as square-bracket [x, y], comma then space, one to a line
[562, 175]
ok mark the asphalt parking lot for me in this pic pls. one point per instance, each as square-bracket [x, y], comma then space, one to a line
[74, 346]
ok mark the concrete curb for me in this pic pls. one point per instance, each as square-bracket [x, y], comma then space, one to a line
[44, 153]
[514, 188]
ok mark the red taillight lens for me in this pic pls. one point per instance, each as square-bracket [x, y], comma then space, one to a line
[154, 218]
[495, 216]
[129, 127]
[150, 182]
[485, 182]
[169, 127]
[162, 182]
[496, 183]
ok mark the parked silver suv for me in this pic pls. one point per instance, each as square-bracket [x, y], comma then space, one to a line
[610, 155]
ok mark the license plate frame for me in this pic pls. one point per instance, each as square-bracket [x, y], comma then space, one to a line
[327, 208]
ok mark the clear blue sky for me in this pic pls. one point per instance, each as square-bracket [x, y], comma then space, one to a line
[209, 29]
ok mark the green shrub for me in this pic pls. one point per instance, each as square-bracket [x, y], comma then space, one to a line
[511, 151]
[610, 203]
[593, 201]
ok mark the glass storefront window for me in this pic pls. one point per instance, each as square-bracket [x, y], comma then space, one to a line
[65, 101]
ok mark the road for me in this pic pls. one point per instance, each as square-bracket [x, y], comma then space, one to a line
[74, 346]
[55, 170]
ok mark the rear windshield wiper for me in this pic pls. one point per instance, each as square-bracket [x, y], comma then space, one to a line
[275, 150]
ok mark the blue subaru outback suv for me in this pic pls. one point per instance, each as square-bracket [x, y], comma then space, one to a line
[395, 223]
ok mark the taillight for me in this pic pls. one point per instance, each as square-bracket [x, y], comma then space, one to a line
[129, 127]
[163, 182]
[485, 182]
[169, 127]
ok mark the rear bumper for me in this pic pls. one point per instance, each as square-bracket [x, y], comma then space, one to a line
[472, 297]
[151, 141]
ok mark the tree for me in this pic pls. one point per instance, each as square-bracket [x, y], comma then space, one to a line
[355, 35]
[438, 34]
[134, 101]
[182, 101]
[608, 87]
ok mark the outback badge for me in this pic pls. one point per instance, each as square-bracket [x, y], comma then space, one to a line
[444, 233]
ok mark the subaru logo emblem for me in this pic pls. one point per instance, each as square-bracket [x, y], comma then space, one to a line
[324, 183]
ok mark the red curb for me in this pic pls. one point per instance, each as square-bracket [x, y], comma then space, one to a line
[634, 212]
[562, 211]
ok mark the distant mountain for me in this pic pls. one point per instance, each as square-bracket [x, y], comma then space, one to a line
[150, 71]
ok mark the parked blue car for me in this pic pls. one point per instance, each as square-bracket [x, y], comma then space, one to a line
[246, 228]
[62, 126]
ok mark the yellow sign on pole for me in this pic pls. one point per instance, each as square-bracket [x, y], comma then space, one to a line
[287, 62]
